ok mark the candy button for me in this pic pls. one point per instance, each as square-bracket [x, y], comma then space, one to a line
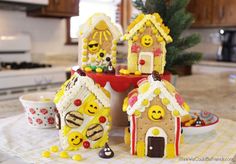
[86, 144]
[126, 72]
[186, 107]
[54, 149]
[165, 101]
[137, 73]
[157, 91]
[145, 102]
[77, 157]
[64, 154]
[155, 132]
[176, 113]
[141, 62]
[46, 154]
[77, 102]
[102, 119]
[137, 113]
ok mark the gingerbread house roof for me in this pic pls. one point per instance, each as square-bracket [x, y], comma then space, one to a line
[155, 19]
[79, 86]
[139, 99]
[93, 21]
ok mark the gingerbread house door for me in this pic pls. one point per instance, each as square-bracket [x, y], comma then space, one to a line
[145, 64]
[156, 140]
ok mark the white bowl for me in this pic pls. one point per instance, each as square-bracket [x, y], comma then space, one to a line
[39, 109]
[210, 120]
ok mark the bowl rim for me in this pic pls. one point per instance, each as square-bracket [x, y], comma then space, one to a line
[217, 120]
[32, 101]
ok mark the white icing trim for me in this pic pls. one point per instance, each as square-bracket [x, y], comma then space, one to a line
[161, 134]
[149, 95]
[83, 82]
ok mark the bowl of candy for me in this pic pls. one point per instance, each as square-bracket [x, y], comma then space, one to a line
[39, 109]
[200, 122]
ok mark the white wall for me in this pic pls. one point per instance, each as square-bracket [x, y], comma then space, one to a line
[47, 34]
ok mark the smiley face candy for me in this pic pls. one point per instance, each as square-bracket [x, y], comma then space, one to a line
[75, 140]
[156, 113]
[91, 108]
[93, 46]
[147, 41]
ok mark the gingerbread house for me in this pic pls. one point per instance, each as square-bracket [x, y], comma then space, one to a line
[84, 113]
[147, 37]
[98, 43]
[155, 109]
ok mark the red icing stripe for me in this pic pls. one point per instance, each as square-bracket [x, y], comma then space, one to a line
[133, 135]
[177, 136]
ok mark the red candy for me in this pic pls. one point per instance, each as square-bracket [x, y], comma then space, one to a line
[86, 144]
[77, 102]
[141, 62]
[102, 119]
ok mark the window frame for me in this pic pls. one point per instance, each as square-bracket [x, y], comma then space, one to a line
[123, 7]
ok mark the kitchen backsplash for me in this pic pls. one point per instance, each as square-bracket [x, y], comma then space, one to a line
[209, 42]
[47, 35]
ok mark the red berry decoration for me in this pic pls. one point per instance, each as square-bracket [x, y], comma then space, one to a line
[77, 102]
[51, 120]
[86, 144]
[102, 119]
[141, 62]
[32, 111]
[43, 111]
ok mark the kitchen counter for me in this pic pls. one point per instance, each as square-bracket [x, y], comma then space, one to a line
[213, 93]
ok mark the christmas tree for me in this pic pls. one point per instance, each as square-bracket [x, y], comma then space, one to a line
[178, 19]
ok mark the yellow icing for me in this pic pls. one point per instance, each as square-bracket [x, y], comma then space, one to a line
[66, 130]
[140, 149]
[170, 151]
[127, 136]
[186, 107]
[84, 59]
[125, 104]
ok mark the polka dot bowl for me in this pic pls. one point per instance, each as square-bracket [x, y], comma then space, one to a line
[39, 109]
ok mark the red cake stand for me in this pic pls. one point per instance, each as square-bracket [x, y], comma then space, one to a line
[119, 86]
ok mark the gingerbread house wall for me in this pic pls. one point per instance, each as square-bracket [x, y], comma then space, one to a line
[167, 123]
[133, 57]
[105, 44]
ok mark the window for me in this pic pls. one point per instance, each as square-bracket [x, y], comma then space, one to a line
[89, 7]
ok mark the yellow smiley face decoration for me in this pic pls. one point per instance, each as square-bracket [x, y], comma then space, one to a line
[147, 41]
[75, 140]
[93, 46]
[91, 108]
[156, 113]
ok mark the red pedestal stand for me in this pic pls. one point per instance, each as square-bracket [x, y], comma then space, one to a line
[119, 86]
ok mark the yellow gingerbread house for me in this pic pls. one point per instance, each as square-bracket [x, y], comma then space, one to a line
[155, 109]
[147, 37]
[84, 113]
[98, 43]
